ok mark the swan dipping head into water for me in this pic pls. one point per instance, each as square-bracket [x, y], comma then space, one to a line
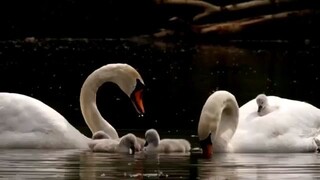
[218, 122]
[290, 126]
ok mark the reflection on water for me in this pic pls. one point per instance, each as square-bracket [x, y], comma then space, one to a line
[76, 164]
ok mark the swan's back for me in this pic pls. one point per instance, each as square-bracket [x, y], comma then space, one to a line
[290, 128]
[26, 122]
[288, 111]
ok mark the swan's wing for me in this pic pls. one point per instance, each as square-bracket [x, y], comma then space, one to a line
[290, 128]
[28, 123]
[289, 113]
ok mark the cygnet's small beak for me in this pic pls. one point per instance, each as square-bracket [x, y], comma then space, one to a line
[259, 108]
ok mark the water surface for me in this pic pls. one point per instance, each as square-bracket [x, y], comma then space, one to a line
[76, 164]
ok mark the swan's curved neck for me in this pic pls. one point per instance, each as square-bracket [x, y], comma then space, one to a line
[88, 104]
[220, 118]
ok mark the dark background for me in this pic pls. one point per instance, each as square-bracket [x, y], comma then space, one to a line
[126, 18]
[70, 39]
[81, 18]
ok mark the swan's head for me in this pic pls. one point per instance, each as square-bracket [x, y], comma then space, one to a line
[262, 102]
[218, 122]
[152, 138]
[127, 78]
[129, 144]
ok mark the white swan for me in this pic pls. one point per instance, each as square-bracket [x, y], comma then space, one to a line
[263, 105]
[154, 144]
[26, 122]
[127, 144]
[293, 127]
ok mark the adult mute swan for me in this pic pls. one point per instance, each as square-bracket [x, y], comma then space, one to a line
[127, 144]
[26, 122]
[154, 144]
[293, 127]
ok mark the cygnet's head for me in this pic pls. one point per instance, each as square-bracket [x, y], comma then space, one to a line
[262, 102]
[100, 135]
[128, 144]
[152, 138]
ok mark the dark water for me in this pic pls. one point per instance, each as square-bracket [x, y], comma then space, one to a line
[75, 164]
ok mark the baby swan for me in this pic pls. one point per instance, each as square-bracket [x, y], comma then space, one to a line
[154, 144]
[263, 106]
[127, 144]
[103, 135]
[100, 135]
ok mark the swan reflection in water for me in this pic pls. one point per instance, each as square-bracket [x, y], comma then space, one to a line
[138, 166]
[79, 164]
[76, 164]
[260, 166]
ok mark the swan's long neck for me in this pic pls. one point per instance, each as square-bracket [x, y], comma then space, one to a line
[88, 104]
[220, 118]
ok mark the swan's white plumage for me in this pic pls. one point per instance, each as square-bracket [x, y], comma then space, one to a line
[29, 123]
[154, 144]
[26, 122]
[290, 128]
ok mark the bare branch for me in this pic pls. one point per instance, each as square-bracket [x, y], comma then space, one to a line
[210, 9]
[255, 4]
[238, 25]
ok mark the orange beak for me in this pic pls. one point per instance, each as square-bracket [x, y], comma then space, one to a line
[207, 151]
[137, 101]
[206, 146]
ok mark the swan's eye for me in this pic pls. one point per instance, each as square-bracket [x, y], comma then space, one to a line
[139, 85]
